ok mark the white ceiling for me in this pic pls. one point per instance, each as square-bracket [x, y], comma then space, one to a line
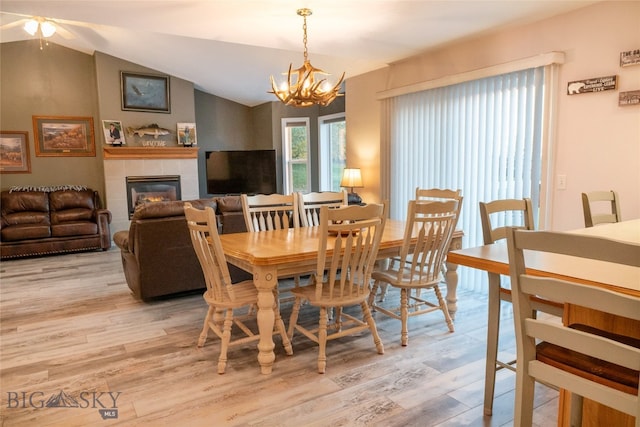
[229, 48]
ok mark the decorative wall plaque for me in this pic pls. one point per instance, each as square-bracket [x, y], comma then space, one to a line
[596, 84]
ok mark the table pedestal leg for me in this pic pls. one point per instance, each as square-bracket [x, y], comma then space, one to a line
[265, 281]
[451, 277]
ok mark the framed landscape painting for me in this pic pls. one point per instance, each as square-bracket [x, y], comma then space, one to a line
[14, 152]
[145, 92]
[59, 136]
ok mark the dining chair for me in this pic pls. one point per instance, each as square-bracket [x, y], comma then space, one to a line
[310, 203]
[586, 361]
[347, 249]
[264, 212]
[224, 298]
[425, 195]
[595, 209]
[428, 232]
[496, 216]
[438, 194]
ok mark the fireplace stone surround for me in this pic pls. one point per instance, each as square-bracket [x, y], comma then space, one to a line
[120, 162]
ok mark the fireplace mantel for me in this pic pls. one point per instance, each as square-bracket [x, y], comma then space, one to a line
[124, 153]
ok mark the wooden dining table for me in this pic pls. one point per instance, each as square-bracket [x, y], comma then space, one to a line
[269, 255]
[494, 258]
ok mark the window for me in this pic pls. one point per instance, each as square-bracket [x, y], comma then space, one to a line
[333, 150]
[295, 140]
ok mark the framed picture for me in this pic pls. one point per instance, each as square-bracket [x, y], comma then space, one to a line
[145, 92]
[14, 152]
[187, 134]
[113, 132]
[630, 57]
[57, 136]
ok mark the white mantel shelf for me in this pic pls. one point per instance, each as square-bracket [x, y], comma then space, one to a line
[124, 153]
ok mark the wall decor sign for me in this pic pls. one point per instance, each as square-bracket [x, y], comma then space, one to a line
[145, 92]
[187, 134]
[113, 132]
[14, 152]
[631, 97]
[59, 136]
[630, 57]
[597, 84]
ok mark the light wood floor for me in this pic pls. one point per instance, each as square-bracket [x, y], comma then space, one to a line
[69, 324]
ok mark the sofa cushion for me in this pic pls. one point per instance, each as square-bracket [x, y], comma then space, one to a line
[25, 202]
[16, 233]
[168, 209]
[229, 204]
[71, 206]
[71, 215]
[75, 228]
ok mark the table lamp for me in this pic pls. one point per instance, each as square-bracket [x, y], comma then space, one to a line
[352, 178]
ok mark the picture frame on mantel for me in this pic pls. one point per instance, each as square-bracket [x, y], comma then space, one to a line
[61, 136]
[187, 134]
[145, 92]
[14, 152]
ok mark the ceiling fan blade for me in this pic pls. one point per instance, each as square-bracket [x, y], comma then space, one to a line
[66, 34]
[13, 24]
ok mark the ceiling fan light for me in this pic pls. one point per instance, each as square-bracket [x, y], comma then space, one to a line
[31, 27]
[47, 28]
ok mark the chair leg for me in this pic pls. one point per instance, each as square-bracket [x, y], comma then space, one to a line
[404, 316]
[337, 317]
[293, 320]
[322, 341]
[205, 328]
[383, 292]
[444, 308]
[372, 294]
[576, 410]
[523, 412]
[226, 338]
[493, 330]
[282, 331]
[372, 327]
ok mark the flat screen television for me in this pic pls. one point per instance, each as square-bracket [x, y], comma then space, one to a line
[242, 171]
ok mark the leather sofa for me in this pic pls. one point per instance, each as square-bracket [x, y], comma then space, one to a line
[157, 254]
[49, 221]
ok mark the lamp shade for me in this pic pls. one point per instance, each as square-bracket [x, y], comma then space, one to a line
[352, 178]
[31, 26]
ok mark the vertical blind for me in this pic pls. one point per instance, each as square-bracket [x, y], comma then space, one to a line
[483, 137]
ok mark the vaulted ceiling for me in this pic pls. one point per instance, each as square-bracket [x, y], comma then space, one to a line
[229, 48]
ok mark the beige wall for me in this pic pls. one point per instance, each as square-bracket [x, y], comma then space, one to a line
[597, 142]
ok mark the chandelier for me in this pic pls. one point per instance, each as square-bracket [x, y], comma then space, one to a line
[301, 88]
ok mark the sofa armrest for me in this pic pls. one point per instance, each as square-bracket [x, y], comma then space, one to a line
[103, 219]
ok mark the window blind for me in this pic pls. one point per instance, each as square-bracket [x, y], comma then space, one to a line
[484, 137]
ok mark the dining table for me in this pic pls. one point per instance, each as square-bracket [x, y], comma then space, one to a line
[494, 258]
[272, 254]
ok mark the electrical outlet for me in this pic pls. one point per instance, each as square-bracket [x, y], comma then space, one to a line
[562, 182]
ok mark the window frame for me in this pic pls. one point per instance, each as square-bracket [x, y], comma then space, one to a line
[287, 161]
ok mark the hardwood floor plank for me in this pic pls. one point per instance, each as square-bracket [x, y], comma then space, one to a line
[69, 324]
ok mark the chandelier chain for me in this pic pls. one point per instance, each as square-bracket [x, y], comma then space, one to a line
[304, 37]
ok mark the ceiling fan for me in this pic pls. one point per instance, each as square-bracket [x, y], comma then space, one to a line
[40, 26]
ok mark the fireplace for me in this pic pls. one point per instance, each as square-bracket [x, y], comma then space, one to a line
[148, 189]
